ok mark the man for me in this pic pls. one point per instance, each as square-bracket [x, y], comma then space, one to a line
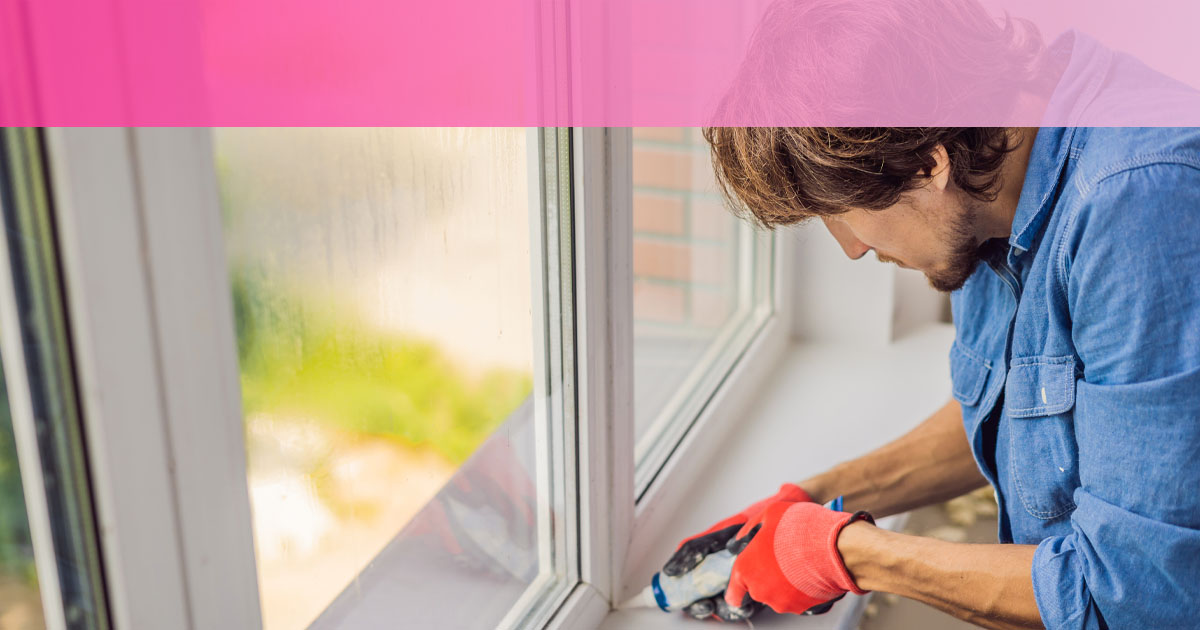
[1071, 254]
[1072, 257]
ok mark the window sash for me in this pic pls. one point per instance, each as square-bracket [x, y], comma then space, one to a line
[137, 212]
[764, 346]
[755, 304]
[618, 522]
[604, 288]
[182, 238]
[552, 260]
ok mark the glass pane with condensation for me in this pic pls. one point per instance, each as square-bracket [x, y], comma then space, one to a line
[685, 264]
[382, 292]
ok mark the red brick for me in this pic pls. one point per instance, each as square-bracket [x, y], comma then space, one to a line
[661, 134]
[653, 259]
[658, 302]
[660, 214]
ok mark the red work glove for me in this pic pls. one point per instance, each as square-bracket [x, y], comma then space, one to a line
[694, 549]
[788, 558]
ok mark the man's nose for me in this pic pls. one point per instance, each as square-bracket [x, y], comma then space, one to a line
[853, 247]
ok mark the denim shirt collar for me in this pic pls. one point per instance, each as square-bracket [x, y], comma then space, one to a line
[1076, 89]
[1046, 161]
[1088, 65]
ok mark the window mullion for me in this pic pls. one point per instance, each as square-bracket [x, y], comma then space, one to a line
[112, 339]
[195, 340]
[603, 236]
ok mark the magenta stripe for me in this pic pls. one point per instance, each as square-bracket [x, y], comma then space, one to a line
[569, 62]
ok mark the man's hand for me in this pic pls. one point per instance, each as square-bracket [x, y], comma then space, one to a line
[694, 549]
[788, 558]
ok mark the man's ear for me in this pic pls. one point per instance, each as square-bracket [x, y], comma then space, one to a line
[939, 176]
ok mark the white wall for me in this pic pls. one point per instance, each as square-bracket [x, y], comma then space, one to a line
[857, 302]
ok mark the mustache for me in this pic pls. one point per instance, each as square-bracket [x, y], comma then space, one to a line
[883, 258]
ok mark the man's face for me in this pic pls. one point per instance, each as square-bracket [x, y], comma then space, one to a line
[931, 230]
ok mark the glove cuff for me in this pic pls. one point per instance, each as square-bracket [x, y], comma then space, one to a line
[844, 579]
[806, 550]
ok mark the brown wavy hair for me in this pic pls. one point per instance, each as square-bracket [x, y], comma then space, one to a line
[784, 175]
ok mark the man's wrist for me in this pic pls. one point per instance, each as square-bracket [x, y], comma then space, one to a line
[862, 549]
[845, 480]
[820, 488]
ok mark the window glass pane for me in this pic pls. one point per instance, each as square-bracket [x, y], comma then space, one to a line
[701, 288]
[20, 602]
[685, 253]
[382, 295]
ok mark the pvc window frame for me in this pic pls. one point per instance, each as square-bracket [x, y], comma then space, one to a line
[760, 343]
[755, 305]
[619, 518]
[153, 337]
[150, 316]
[147, 281]
[552, 262]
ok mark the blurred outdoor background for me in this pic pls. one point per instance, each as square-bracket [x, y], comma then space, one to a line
[381, 290]
[382, 295]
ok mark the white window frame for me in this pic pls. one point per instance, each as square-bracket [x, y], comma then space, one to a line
[150, 314]
[667, 492]
[624, 524]
[722, 352]
[140, 229]
[152, 330]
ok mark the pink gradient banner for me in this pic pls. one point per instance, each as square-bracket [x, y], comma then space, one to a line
[599, 63]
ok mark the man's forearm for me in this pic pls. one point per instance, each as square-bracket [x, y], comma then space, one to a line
[930, 464]
[987, 585]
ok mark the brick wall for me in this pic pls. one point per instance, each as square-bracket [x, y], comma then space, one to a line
[684, 241]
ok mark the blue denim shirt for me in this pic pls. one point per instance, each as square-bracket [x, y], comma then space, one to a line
[1082, 344]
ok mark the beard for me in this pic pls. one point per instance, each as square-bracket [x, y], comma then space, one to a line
[965, 250]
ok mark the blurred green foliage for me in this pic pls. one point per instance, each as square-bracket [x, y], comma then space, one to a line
[16, 547]
[306, 358]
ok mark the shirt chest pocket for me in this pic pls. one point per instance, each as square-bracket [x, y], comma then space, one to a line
[1039, 395]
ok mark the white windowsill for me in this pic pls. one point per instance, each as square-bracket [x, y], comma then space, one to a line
[825, 404]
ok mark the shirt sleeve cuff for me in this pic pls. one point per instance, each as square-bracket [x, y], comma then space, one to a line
[1058, 585]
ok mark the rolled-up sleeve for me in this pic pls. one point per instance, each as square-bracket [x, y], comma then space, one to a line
[1132, 266]
[1117, 569]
